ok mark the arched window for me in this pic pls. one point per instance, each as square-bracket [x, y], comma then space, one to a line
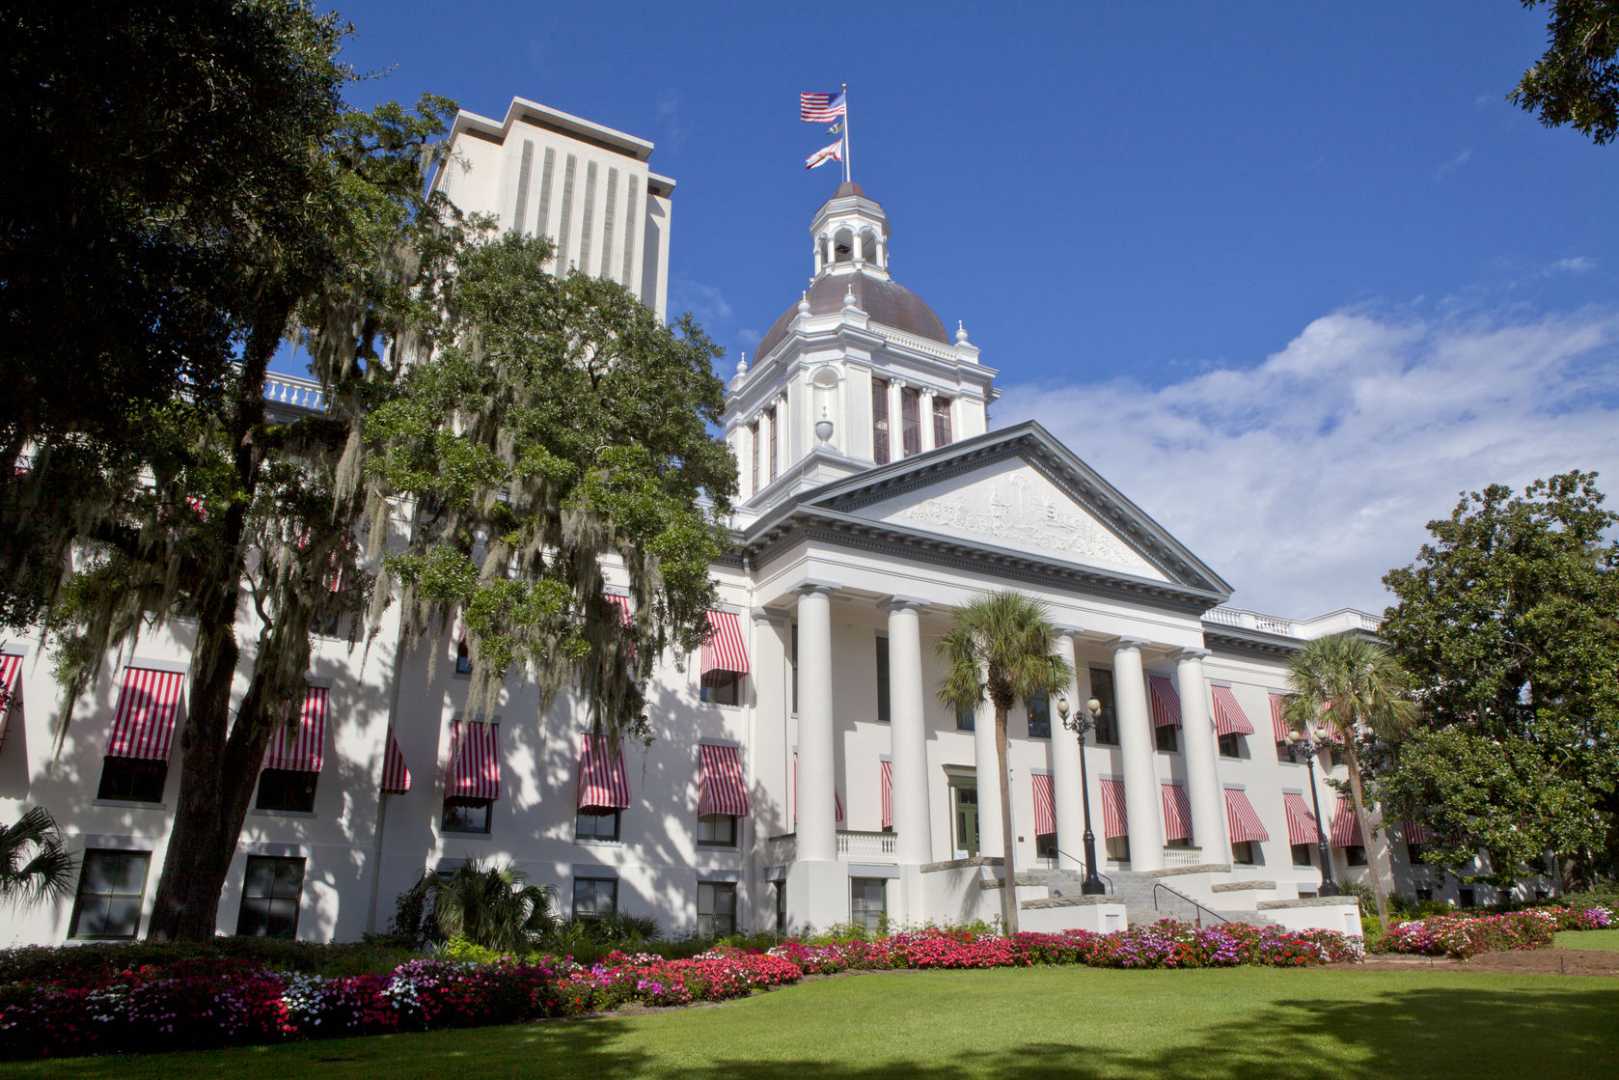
[842, 246]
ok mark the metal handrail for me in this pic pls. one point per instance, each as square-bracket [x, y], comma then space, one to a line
[1085, 870]
[1177, 893]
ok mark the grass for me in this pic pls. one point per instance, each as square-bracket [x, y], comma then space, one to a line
[1044, 1022]
[1605, 940]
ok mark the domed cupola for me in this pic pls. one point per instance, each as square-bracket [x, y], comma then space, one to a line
[858, 371]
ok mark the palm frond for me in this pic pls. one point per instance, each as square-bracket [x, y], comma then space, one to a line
[34, 864]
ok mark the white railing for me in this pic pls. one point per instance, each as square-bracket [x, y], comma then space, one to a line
[1181, 856]
[912, 341]
[857, 843]
[1252, 620]
[294, 392]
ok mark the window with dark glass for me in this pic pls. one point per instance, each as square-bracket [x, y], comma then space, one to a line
[716, 830]
[463, 659]
[594, 897]
[1245, 853]
[111, 887]
[1045, 845]
[1166, 738]
[910, 415]
[770, 418]
[464, 815]
[716, 909]
[941, 422]
[596, 825]
[1107, 724]
[882, 680]
[722, 688]
[1355, 855]
[270, 891]
[1231, 746]
[1038, 709]
[781, 908]
[1301, 855]
[287, 790]
[879, 421]
[794, 665]
[868, 902]
[1118, 848]
[753, 440]
[1413, 853]
[1424, 892]
[132, 779]
[1465, 897]
[966, 718]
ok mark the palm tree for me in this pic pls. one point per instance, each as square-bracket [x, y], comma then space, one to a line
[1346, 685]
[34, 866]
[496, 908]
[1001, 646]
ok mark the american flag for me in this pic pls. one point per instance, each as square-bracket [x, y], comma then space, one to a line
[815, 107]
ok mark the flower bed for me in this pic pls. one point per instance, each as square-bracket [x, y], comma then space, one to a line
[1462, 935]
[208, 1002]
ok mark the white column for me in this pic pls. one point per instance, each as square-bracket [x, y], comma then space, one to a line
[925, 408]
[986, 763]
[882, 250]
[1142, 798]
[1202, 776]
[819, 241]
[908, 730]
[1065, 774]
[896, 419]
[817, 827]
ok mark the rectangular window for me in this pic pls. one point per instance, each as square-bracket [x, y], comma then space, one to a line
[1424, 892]
[1038, 709]
[941, 422]
[463, 659]
[775, 440]
[1107, 724]
[1231, 746]
[1465, 897]
[781, 908]
[1045, 845]
[910, 416]
[879, 421]
[966, 718]
[868, 903]
[111, 887]
[270, 891]
[1355, 855]
[882, 680]
[594, 897]
[463, 815]
[1301, 855]
[133, 779]
[1245, 853]
[753, 440]
[716, 909]
[716, 830]
[1413, 853]
[1118, 848]
[722, 688]
[290, 790]
[1166, 738]
[596, 825]
[793, 644]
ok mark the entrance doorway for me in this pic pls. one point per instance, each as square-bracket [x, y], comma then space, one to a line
[964, 815]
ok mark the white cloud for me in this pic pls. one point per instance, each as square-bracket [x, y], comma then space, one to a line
[749, 337]
[1456, 161]
[706, 303]
[671, 120]
[1304, 478]
[1575, 264]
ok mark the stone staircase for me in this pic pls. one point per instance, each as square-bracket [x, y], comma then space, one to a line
[1189, 894]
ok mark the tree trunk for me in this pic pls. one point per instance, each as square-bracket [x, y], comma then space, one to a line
[1365, 822]
[1009, 886]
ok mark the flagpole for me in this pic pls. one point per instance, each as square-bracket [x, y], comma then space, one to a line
[848, 166]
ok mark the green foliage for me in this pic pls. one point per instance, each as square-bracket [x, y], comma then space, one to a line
[1507, 623]
[83, 962]
[494, 908]
[35, 867]
[1000, 646]
[1576, 81]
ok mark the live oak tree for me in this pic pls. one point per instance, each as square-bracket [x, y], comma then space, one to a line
[1508, 621]
[1001, 649]
[1576, 81]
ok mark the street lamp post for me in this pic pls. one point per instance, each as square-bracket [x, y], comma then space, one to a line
[1303, 748]
[1079, 725]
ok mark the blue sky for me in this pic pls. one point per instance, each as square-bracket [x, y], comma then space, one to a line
[1292, 276]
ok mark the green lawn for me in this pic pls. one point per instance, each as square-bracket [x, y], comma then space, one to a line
[1606, 940]
[1040, 1023]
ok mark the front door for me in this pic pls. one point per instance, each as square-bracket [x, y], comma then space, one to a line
[965, 795]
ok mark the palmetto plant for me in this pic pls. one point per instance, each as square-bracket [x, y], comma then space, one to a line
[34, 866]
[1001, 648]
[494, 907]
[1345, 685]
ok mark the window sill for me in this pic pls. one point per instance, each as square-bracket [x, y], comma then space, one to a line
[587, 841]
[453, 834]
[716, 847]
[259, 812]
[126, 804]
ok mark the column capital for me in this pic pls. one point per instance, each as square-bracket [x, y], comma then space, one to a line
[902, 603]
[769, 615]
[1067, 631]
[809, 588]
[1122, 643]
[1193, 654]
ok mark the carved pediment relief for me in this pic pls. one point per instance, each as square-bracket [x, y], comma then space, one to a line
[1010, 504]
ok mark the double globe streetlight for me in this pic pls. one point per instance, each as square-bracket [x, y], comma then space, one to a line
[1080, 725]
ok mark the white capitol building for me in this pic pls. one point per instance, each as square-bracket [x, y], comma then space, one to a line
[804, 771]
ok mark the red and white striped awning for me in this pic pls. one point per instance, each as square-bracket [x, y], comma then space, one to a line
[300, 743]
[721, 788]
[1045, 805]
[395, 773]
[1415, 833]
[10, 666]
[1115, 822]
[1278, 724]
[1345, 826]
[1177, 813]
[1166, 703]
[725, 649]
[474, 760]
[888, 794]
[622, 602]
[603, 784]
[1242, 819]
[143, 725]
[1229, 719]
[837, 799]
[1301, 823]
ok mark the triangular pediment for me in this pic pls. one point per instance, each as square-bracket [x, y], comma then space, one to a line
[1020, 491]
